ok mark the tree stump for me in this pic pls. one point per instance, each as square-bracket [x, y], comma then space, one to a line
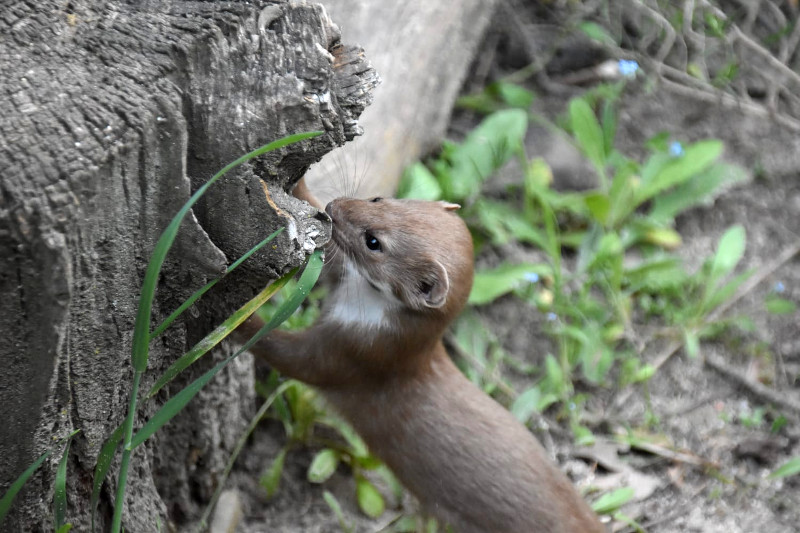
[113, 113]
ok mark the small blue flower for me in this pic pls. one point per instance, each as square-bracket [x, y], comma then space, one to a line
[551, 316]
[533, 277]
[779, 287]
[628, 68]
[676, 149]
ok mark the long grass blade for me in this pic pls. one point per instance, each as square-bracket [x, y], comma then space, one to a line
[8, 498]
[175, 404]
[304, 285]
[141, 329]
[60, 489]
[238, 449]
[101, 469]
[119, 499]
[220, 332]
[11, 493]
[200, 292]
[141, 335]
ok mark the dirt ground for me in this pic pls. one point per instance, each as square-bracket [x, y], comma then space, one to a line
[713, 479]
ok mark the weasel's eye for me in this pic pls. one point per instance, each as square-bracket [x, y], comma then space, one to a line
[372, 243]
[376, 199]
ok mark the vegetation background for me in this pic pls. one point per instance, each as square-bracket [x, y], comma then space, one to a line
[629, 170]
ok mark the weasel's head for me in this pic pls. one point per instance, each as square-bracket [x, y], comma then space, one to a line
[415, 252]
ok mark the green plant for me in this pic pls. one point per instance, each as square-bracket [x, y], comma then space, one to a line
[140, 348]
[787, 469]
[608, 253]
[302, 413]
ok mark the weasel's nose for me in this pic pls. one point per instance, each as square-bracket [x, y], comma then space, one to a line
[329, 209]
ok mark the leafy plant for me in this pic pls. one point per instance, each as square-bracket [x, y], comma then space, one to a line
[607, 252]
[302, 412]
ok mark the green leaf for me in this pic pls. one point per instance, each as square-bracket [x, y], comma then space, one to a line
[11, 493]
[700, 189]
[691, 343]
[200, 292]
[663, 172]
[323, 465]
[333, 503]
[655, 273]
[554, 374]
[357, 447]
[220, 332]
[666, 238]
[609, 126]
[715, 296]
[526, 404]
[420, 183]
[141, 330]
[66, 528]
[513, 95]
[369, 499]
[780, 306]
[596, 33]
[729, 251]
[60, 490]
[176, 404]
[789, 468]
[497, 95]
[610, 502]
[491, 284]
[101, 468]
[587, 131]
[598, 205]
[271, 478]
[583, 436]
[487, 148]
[8, 498]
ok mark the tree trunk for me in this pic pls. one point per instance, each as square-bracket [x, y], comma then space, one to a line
[423, 51]
[113, 113]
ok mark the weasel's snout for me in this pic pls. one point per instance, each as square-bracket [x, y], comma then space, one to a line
[329, 209]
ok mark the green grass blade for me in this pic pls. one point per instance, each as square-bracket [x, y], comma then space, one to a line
[304, 285]
[119, 499]
[141, 329]
[589, 135]
[141, 336]
[789, 468]
[16, 486]
[220, 332]
[175, 404]
[103, 464]
[11, 493]
[200, 292]
[60, 489]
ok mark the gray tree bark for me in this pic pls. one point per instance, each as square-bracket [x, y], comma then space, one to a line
[113, 113]
[423, 51]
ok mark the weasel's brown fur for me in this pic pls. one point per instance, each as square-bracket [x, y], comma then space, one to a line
[376, 354]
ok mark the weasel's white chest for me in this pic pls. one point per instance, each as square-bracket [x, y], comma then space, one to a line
[355, 303]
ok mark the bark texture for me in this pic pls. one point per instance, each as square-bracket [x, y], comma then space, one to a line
[113, 113]
[423, 51]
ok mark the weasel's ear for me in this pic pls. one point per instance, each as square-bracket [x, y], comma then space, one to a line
[430, 289]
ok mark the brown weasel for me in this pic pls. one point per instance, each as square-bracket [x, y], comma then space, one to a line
[376, 354]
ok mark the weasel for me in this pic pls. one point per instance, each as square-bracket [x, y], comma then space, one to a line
[377, 356]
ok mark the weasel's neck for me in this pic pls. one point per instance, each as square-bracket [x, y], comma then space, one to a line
[367, 324]
[361, 305]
